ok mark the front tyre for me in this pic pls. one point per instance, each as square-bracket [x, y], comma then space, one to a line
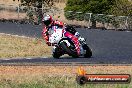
[88, 53]
[56, 52]
[55, 55]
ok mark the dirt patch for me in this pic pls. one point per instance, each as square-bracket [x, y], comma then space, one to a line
[14, 46]
[12, 15]
[9, 2]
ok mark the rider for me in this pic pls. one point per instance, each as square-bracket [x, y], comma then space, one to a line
[49, 22]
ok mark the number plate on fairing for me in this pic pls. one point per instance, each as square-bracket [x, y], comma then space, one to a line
[56, 35]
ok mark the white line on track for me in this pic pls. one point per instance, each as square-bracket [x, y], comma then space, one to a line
[35, 57]
[6, 59]
[29, 58]
[14, 35]
[128, 31]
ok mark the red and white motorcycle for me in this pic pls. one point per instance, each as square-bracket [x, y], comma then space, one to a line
[64, 42]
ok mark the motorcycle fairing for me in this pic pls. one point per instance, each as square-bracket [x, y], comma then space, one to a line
[55, 34]
[75, 40]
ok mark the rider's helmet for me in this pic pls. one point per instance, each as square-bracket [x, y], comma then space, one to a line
[47, 20]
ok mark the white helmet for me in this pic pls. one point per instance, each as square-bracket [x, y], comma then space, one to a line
[47, 20]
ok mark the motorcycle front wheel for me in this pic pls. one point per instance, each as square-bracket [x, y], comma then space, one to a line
[88, 53]
[56, 53]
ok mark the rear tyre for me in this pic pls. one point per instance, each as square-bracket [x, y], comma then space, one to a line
[88, 51]
[68, 50]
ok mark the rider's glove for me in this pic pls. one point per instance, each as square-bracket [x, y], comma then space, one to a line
[46, 33]
[77, 34]
[81, 39]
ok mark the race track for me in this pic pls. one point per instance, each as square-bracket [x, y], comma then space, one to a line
[108, 46]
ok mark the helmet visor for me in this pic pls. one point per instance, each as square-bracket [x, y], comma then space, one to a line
[47, 22]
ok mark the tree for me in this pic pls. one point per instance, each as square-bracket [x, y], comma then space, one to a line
[41, 7]
[37, 2]
[90, 6]
[122, 7]
[94, 6]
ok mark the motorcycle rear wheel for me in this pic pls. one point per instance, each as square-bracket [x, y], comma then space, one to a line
[68, 50]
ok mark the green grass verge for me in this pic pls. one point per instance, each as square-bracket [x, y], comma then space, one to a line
[57, 82]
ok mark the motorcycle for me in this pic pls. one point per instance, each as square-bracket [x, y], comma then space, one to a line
[64, 42]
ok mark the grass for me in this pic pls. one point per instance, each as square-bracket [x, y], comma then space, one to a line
[12, 46]
[55, 76]
[56, 82]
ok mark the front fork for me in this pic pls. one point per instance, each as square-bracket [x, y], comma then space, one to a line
[82, 43]
[82, 50]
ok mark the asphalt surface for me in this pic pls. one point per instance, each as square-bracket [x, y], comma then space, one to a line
[108, 46]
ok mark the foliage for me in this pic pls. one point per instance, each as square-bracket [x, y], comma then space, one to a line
[69, 15]
[94, 6]
[30, 14]
[44, 4]
[129, 20]
[74, 15]
[79, 16]
[90, 6]
[115, 7]
[37, 3]
[98, 8]
[122, 7]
